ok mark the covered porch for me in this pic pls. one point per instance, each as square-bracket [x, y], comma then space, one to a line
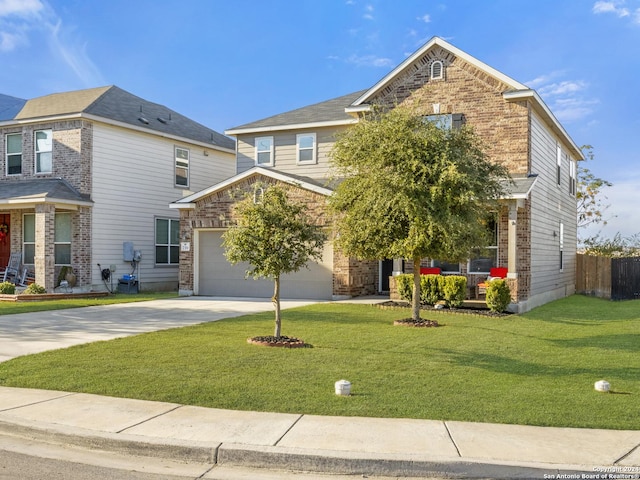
[48, 223]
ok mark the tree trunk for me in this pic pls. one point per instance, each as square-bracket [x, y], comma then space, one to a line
[415, 300]
[276, 304]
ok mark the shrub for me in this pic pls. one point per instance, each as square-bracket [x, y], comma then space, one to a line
[430, 291]
[404, 284]
[7, 288]
[454, 290]
[34, 289]
[498, 295]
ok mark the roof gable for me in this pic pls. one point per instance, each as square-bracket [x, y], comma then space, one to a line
[189, 201]
[434, 48]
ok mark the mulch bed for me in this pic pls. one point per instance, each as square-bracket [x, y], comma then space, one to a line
[282, 341]
[392, 304]
[423, 322]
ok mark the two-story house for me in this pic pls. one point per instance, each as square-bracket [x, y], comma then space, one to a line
[534, 231]
[86, 177]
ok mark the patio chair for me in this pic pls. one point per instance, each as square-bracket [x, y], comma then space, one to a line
[12, 270]
[494, 273]
[430, 271]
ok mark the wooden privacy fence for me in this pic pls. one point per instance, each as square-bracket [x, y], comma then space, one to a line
[604, 277]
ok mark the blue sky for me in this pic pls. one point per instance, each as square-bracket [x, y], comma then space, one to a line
[225, 63]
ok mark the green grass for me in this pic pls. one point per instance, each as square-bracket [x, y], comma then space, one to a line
[7, 307]
[537, 369]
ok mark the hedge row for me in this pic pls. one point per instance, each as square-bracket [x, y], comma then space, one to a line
[450, 289]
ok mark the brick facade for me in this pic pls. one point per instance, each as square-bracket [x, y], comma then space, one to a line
[350, 277]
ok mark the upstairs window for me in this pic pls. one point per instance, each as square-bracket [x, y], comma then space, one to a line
[44, 149]
[182, 167]
[306, 148]
[446, 121]
[264, 151]
[14, 153]
[167, 241]
[558, 163]
[572, 177]
[437, 70]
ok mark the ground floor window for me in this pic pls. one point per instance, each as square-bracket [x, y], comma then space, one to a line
[167, 241]
[62, 239]
[446, 267]
[29, 238]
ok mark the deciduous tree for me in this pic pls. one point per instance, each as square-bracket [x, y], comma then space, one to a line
[413, 190]
[275, 236]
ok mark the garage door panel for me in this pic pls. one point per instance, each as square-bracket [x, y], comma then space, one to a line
[216, 276]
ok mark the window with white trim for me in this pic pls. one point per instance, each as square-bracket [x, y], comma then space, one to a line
[182, 167]
[13, 147]
[264, 151]
[167, 241]
[561, 239]
[446, 267]
[437, 70]
[28, 238]
[62, 239]
[306, 148]
[573, 178]
[44, 151]
[558, 163]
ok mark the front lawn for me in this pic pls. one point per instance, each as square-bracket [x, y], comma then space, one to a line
[537, 369]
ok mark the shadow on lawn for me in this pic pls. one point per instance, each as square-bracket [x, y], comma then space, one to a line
[629, 342]
[511, 366]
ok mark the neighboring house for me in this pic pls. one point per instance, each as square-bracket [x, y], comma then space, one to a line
[534, 231]
[84, 173]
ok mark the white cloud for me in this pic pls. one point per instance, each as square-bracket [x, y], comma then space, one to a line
[426, 18]
[20, 8]
[10, 41]
[613, 6]
[368, 15]
[369, 61]
[636, 16]
[567, 99]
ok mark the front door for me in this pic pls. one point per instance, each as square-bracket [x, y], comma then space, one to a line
[5, 238]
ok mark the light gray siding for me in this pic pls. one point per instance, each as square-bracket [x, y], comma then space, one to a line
[133, 184]
[285, 152]
[552, 204]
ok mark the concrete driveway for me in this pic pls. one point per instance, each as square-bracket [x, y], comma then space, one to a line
[27, 333]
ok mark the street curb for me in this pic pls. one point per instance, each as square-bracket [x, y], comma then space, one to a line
[170, 449]
[345, 463]
[282, 458]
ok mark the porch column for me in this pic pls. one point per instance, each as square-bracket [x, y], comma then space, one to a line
[45, 252]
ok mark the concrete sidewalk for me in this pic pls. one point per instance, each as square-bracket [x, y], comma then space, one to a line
[347, 445]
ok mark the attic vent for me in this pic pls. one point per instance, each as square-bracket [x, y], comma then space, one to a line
[142, 118]
[437, 70]
[164, 120]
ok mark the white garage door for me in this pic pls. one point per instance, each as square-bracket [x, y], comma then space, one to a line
[217, 277]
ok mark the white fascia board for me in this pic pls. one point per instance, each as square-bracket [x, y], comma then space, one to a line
[437, 41]
[32, 202]
[295, 126]
[542, 109]
[128, 126]
[211, 146]
[188, 202]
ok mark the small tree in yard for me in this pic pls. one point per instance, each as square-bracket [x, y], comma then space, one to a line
[274, 235]
[412, 190]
